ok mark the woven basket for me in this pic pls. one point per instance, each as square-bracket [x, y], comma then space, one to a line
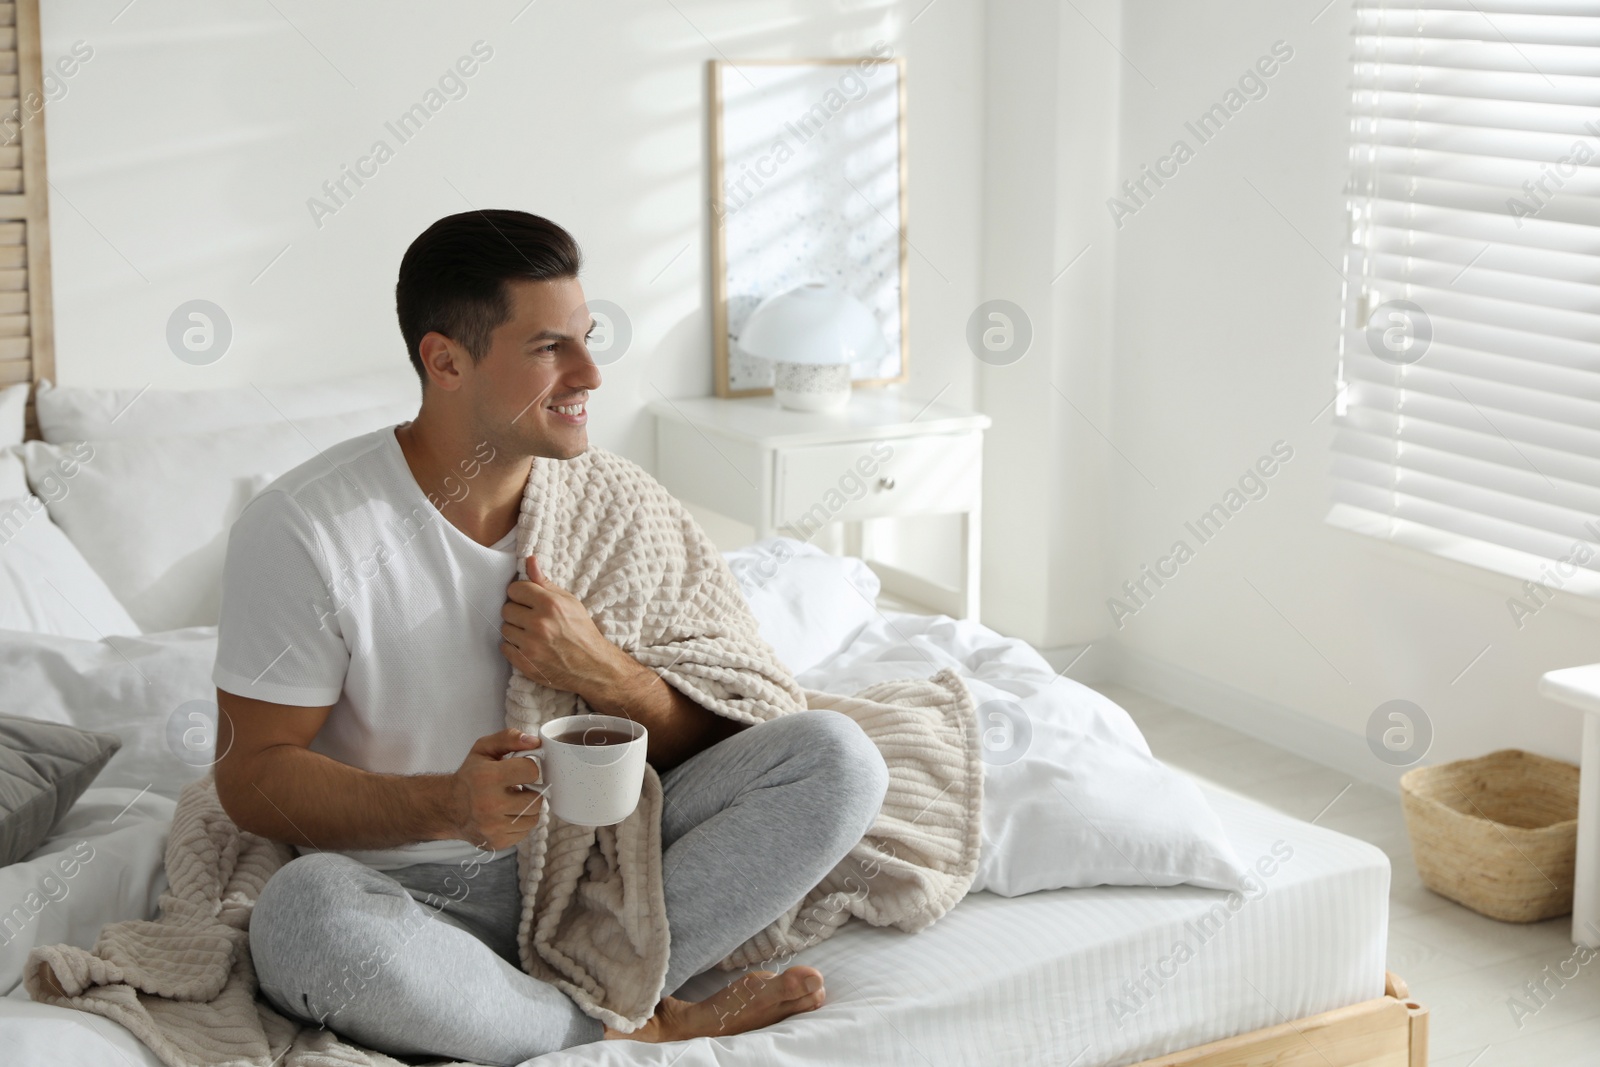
[1497, 833]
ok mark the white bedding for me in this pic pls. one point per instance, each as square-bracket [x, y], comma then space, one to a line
[1049, 977]
[1031, 980]
[1026, 980]
[102, 862]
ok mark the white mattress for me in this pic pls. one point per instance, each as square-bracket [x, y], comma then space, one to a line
[1048, 978]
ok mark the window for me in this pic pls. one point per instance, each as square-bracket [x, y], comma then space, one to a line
[1468, 410]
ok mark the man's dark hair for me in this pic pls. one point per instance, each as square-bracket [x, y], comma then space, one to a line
[452, 278]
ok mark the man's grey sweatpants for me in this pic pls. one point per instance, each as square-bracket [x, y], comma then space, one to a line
[423, 959]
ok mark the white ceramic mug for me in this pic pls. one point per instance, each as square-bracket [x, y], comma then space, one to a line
[589, 784]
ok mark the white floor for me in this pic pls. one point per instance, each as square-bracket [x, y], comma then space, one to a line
[1467, 969]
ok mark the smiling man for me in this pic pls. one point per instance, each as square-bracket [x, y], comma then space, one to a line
[370, 620]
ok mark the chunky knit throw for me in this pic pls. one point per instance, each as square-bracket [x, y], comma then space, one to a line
[594, 915]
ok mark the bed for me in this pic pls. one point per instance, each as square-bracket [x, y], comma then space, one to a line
[1025, 980]
[1099, 976]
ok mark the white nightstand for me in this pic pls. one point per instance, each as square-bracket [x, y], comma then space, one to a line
[794, 472]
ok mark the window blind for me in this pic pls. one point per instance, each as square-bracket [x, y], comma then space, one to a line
[1468, 406]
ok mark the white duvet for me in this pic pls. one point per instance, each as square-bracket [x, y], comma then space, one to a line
[101, 863]
[1072, 795]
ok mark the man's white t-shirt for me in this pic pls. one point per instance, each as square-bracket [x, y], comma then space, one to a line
[345, 586]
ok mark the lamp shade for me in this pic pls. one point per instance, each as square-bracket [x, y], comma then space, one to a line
[812, 323]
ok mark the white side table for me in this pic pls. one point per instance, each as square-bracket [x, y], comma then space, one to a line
[1580, 687]
[795, 472]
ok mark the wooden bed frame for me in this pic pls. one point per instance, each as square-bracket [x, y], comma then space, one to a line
[1389, 1031]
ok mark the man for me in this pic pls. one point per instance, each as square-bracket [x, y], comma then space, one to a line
[370, 619]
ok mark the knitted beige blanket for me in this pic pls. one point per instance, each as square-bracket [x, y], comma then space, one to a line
[594, 915]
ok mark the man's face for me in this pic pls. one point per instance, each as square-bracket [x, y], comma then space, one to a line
[530, 393]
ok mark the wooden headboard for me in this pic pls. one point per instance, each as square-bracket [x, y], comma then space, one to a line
[27, 327]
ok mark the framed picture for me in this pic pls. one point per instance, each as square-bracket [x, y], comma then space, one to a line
[808, 184]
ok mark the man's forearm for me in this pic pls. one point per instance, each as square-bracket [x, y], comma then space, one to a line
[288, 793]
[679, 728]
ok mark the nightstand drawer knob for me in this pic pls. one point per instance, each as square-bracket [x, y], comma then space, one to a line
[885, 483]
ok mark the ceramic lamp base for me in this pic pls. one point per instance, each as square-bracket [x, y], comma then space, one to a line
[811, 386]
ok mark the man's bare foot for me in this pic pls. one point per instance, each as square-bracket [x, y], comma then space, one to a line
[758, 999]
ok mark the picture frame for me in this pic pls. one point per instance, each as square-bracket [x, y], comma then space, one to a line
[808, 183]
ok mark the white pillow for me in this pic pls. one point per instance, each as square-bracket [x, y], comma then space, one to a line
[809, 604]
[46, 586]
[13, 414]
[13, 476]
[1083, 804]
[151, 514]
[1072, 796]
[71, 413]
[147, 690]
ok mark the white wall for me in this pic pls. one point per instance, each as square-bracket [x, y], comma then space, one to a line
[183, 153]
[1050, 147]
[1226, 311]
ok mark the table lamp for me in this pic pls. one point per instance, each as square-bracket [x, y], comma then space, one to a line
[811, 333]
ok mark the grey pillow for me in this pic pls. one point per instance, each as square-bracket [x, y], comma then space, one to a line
[44, 769]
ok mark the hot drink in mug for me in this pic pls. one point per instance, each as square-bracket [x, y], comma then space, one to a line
[591, 767]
